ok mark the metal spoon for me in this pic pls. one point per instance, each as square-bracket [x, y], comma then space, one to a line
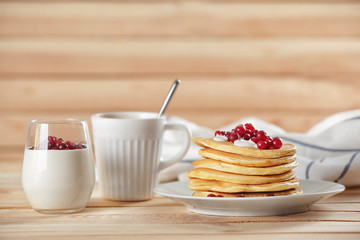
[168, 97]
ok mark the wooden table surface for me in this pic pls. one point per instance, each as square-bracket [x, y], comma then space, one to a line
[160, 218]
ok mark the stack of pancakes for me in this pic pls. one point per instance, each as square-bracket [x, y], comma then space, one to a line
[232, 171]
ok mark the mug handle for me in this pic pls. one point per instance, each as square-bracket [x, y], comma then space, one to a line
[184, 147]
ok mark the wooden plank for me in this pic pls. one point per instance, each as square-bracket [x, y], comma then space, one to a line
[210, 18]
[11, 154]
[84, 227]
[204, 236]
[314, 27]
[229, 8]
[337, 207]
[157, 55]
[208, 93]
[175, 1]
[347, 197]
[161, 215]
[11, 166]
[14, 124]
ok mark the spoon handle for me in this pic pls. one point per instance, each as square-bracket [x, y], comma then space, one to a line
[168, 97]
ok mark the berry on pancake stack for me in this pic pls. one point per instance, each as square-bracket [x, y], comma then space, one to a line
[244, 162]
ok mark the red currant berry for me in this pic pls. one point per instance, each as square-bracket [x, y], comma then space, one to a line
[262, 138]
[63, 146]
[261, 134]
[254, 133]
[70, 144]
[270, 142]
[211, 195]
[227, 134]
[255, 139]
[233, 137]
[240, 195]
[246, 136]
[277, 143]
[218, 132]
[52, 140]
[240, 130]
[249, 126]
[261, 144]
[58, 143]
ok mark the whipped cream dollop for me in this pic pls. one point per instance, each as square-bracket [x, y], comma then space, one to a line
[239, 142]
[245, 143]
[220, 138]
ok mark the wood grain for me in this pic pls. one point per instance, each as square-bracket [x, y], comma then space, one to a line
[230, 236]
[161, 218]
[185, 18]
[228, 93]
[173, 55]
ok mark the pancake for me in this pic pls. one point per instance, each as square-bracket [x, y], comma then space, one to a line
[287, 149]
[227, 187]
[209, 174]
[238, 169]
[247, 194]
[245, 160]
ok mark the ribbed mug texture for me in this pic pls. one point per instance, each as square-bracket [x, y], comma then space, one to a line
[128, 167]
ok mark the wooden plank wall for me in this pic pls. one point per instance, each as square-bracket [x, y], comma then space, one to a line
[288, 62]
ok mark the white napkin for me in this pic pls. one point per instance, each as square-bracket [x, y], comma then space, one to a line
[329, 151]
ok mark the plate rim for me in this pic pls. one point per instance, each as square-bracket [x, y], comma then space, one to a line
[251, 206]
[340, 189]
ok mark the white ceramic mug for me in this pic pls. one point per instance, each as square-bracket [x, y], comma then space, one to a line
[127, 150]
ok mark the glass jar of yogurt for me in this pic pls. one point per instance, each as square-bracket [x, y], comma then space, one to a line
[58, 169]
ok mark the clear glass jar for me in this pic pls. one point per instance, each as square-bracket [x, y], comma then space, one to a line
[58, 169]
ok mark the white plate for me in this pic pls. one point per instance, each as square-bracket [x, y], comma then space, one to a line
[313, 191]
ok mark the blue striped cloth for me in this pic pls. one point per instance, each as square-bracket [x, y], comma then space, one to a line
[328, 151]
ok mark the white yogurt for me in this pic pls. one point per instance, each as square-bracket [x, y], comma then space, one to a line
[245, 143]
[220, 138]
[58, 179]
